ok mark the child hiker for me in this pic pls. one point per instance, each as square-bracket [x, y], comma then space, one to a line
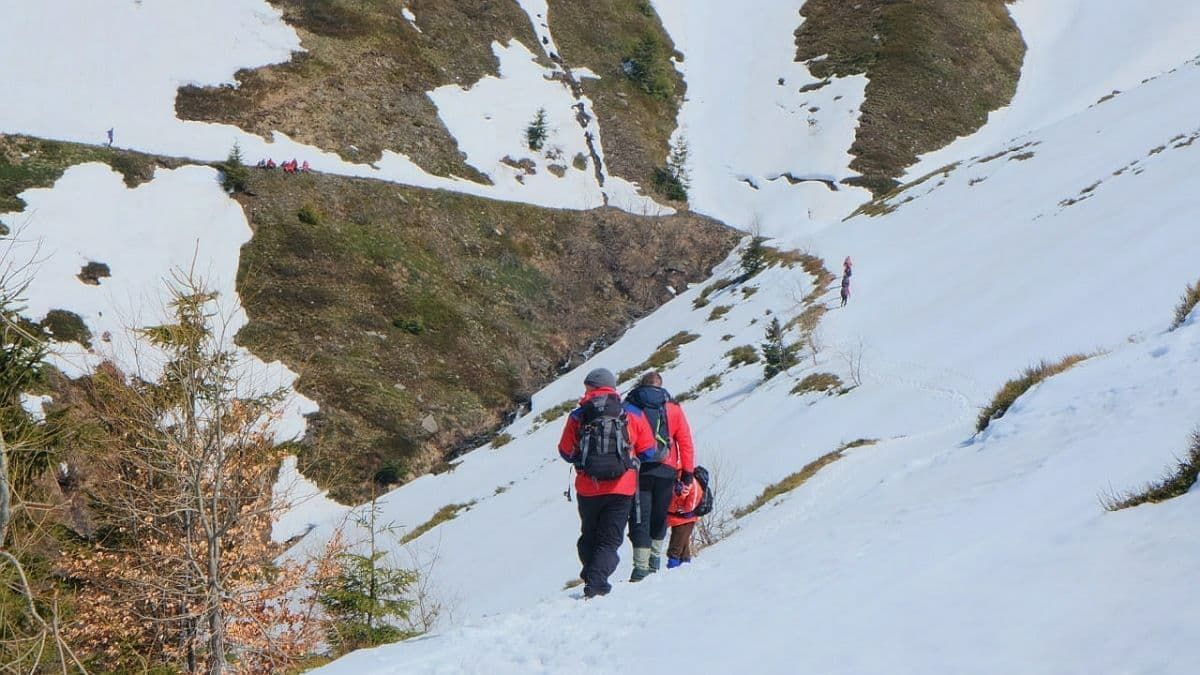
[682, 517]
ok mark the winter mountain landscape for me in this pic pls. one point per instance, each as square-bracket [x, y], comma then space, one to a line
[297, 297]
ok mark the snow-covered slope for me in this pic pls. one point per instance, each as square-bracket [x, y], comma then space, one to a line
[750, 128]
[931, 554]
[934, 550]
[1080, 51]
[1061, 227]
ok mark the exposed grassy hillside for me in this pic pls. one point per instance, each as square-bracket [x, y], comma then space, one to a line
[637, 112]
[936, 69]
[418, 318]
[360, 87]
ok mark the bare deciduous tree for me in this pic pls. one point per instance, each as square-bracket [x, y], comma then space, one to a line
[720, 523]
[853, 358]
[180, 569]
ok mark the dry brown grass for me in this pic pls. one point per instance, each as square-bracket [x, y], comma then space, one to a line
[445, 514]
[1191, 297]
[815, 383]
[799, 478]
[662, 358]
[1014, 388]
[1175, 484]
[808, 320]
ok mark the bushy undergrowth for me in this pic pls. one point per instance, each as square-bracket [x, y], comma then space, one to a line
[1174, 484]
[66, 326]
[719, 311]
[1014, 388]
[807, 320]
[709, 383]
[714, 287]
[743, 355]
[818, 382]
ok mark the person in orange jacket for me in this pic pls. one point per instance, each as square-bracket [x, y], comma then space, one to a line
[673, 458]
[682, 519]
[603, 438]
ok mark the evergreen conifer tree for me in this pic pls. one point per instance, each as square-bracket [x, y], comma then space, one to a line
[368, 597]
[777, 355]
[536, 132]
[234, 174]
[754, 257]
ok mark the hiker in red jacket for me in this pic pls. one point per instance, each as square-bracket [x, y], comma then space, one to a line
[602, 439]
[672, 457]
[682, 518]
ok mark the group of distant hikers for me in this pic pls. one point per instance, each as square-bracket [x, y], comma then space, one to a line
[288, 167]
[635, 466]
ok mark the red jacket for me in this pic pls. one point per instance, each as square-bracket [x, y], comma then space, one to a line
[641, 440]
[682, 506]
[683, 451]
[682, 455]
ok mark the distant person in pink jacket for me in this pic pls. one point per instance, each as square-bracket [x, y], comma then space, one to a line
[847, 271]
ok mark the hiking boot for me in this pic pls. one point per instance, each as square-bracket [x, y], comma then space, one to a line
[657, 546]
[590, 592]
[641, 564]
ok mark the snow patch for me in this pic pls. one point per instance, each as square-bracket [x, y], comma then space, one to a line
[489, 120]
[179, 221]
[741, 126]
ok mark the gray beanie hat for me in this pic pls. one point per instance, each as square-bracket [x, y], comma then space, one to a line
[601, 377]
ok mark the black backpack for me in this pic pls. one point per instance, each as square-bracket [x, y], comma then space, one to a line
[604, 439]
[652, 401]
[705, 506]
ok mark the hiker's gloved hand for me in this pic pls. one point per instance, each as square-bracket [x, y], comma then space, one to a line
[684, 484]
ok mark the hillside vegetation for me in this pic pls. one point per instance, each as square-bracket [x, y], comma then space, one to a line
[936, 68]
[418, 318]
[360, 86]
[637, 95]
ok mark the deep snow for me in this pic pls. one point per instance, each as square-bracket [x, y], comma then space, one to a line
[935, 550]
[932, 551]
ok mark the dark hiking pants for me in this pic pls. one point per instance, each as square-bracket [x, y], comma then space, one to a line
[602, 527]
[681, 542]
[656, 487]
